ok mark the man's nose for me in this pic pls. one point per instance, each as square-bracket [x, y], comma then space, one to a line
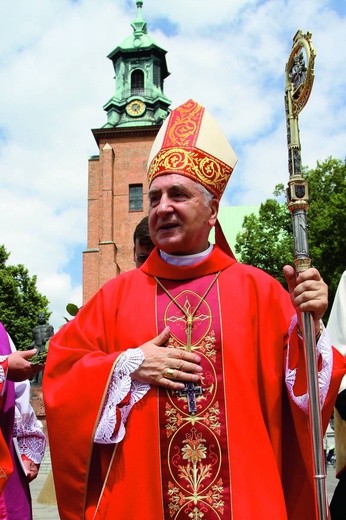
[165, 205]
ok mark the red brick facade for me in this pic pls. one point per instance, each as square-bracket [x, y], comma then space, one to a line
[122, 161]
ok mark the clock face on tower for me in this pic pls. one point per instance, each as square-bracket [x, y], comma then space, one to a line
[135, 108]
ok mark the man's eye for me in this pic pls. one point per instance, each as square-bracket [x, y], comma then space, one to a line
[153, 201]
[179, 195]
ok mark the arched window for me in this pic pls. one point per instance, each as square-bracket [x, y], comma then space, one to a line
[137, 82]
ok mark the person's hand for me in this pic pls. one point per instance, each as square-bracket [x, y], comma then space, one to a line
[31, 469]
[165, 366]
[19, 366]
[308, 292]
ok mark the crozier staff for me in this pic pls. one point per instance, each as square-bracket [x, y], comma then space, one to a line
[299, 81]
[179, 389]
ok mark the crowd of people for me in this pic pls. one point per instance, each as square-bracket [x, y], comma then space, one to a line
[179, 389]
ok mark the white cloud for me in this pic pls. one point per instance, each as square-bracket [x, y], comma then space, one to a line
[55, 78]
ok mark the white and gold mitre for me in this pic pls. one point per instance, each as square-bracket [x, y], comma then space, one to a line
[191, 143]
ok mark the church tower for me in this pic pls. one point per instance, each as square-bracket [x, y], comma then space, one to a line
[117, 185]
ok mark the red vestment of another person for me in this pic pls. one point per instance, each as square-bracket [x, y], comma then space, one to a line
[23, 438]
[6, 464]
[246, 452]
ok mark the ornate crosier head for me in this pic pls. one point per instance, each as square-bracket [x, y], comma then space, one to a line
[191, 143]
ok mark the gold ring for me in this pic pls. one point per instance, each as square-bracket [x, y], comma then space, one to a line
[168, 373]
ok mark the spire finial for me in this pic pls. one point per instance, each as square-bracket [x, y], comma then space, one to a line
[139, 25]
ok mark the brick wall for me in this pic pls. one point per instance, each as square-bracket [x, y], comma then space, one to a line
[122, 160]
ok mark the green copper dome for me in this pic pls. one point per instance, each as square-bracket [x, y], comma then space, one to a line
[140, 70]
[140, 37]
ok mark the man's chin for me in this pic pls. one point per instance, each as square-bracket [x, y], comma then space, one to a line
[170, 246]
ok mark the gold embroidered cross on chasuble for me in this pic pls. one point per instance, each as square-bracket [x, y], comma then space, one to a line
[193, 435]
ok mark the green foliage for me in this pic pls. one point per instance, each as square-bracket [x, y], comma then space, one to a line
[326, 220]
[20, 302]
[267, 242]
[41, 357]
[72, 309]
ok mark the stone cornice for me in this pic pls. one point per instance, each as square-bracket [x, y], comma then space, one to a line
[136, 131]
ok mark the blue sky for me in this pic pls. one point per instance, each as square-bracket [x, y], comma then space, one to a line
[229, 56]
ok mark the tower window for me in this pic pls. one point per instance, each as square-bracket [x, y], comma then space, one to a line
[157, 75]
[137, 82]
[136, 197]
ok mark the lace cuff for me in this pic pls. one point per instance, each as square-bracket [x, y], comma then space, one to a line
[324, 349]
[3, 373]
[121, 385]
[31, 439]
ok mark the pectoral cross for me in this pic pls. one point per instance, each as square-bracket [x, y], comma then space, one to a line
[190, 391]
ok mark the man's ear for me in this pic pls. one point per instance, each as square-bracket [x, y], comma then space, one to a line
[214, 206]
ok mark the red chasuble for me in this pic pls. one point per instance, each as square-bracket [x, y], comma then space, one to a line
[6, 466]
[243, 452]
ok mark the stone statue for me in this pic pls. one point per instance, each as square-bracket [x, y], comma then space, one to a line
[41, 334]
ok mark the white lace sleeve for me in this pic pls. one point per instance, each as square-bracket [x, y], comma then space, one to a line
[324, 349]
[27, 429]
[120, 385]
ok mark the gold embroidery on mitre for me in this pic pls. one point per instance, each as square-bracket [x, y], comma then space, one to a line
[199, 166]
[184, 125]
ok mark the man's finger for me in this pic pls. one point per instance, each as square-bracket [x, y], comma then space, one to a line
[27, 354]
[162, 337]
[290, 276]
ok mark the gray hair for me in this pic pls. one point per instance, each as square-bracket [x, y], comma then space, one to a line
[208, 197]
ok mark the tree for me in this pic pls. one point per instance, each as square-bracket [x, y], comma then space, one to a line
[20, 302]
[266, 240]
[326, 220]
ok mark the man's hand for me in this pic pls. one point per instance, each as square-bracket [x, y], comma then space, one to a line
[165, 366]
[19, 366]
[308, 292]
[31, 469]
